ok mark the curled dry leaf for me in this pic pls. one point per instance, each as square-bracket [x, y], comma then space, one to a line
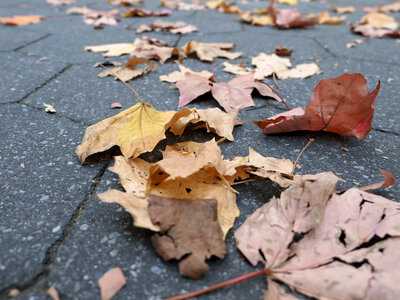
[181, 5]
[283, 51]
[323, 244]
[255, 18]
[130, 71]
[369, 31]
[178, 75]
[290, 18]
[100, 18]
[230, 95]
[110, 283]
[79, 10]
[210, 51]
[158, 25]
[389, 181]
[238, 69]
[224, 7]
[189, 232]
[343, 9]
[388, 8]
[22, 20]
[135, 130]
[342, 105]
[380, 21]
[213, 119]
[125, 2]
[326, 19]
[135, 12]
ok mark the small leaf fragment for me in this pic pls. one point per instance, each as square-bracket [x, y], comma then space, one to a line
[110, 283]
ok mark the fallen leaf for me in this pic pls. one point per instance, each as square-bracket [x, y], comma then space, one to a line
[237, 69]
[125, 2]
[135, 130]
[60, 2]
[53, 293]
[389, 181]
[130, 71]
[135, 12]
[323, 244]
[380, 21]
[189, 232]
[325, 18]
[210, 51]
[14, 293]
[230, 95]
[149, 50]
[109, 50]
[115, 105]
[100, 18]
[283, 51]
[110, 283]
[215, 120]
[107, 63]
[342, 105]
[288, 2]
[49, 108]
[300, 71]
[178, 75]
[289, 18]
[369, 31]
[22, 20]
[182, 5]
[388, 8]
[171, 178]
[176, 28]
[343, 9]
[224, 7]
[256, 19]
[79, 10]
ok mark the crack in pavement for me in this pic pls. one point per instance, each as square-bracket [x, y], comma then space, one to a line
[39, 282]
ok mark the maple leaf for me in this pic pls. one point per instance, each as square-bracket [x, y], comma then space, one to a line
[266, 65]
[325, 18]
[343, 9]
[135, 130]
[110, 283]
[394, 7]
[237, 69]
[342, 105]
[135, 12]
[369, 31]
[116, 49]
[210, 51]
[176, 28]
[255, 18]
[79, 10]
[129, 70]
[214, 119]
[178, 75]
[125, 2]
[328, 259]
[289, 18]
[22, 20]
[189, 231]
[100, 18]
[234, 94]
[181, 5]
[224, 7]
[380, 21]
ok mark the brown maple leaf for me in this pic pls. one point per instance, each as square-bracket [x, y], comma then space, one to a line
[290, 17]
[230, 95]
[342, 105]
[173, 27]
[189, 232]
[136, 12]
[210, 51]
[323, 244]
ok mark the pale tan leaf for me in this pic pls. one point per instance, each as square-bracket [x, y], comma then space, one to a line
[111, 282]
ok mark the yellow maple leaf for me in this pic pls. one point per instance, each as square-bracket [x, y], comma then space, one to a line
[288, 2]
[135, 130]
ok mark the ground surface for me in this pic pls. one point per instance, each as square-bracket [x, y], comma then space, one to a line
[54, 232]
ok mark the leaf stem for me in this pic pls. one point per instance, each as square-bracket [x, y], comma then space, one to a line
[280, 97]
[115, 74]
[220, 285]
[298, 157]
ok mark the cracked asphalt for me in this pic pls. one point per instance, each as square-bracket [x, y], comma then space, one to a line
[55, 232]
